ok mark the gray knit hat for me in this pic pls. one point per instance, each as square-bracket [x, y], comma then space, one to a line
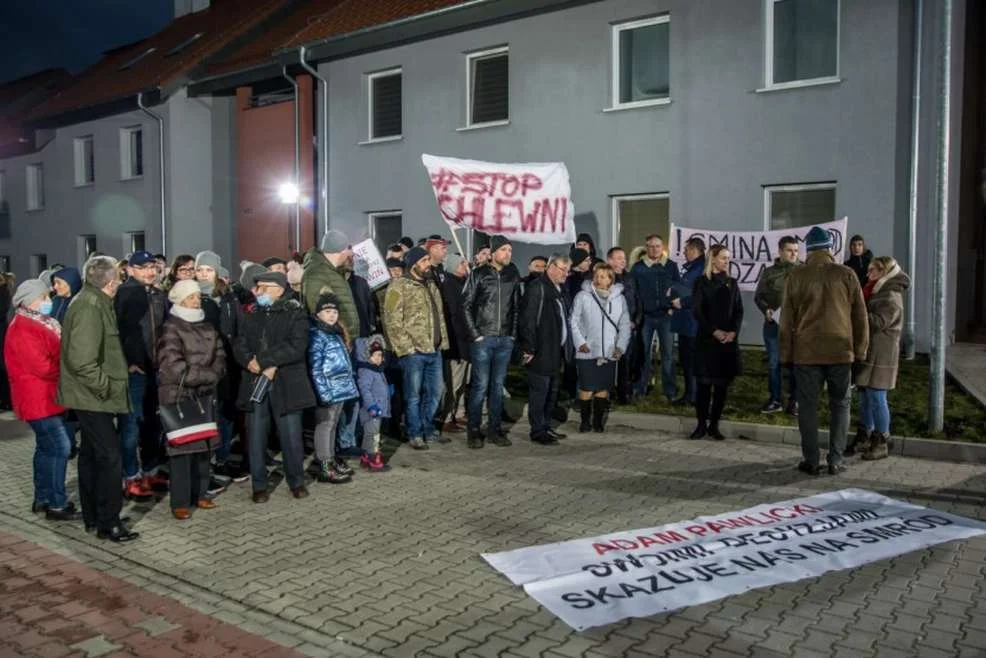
[335, 242]
[208, 259]
[249, 271]
[28, 291]
[453, 261]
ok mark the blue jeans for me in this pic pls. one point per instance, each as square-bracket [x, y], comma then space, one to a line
[775, 382]
[874, 409]
[52, 446]
[130, 426]
[490, 358]
[660, 325]
[423, 388]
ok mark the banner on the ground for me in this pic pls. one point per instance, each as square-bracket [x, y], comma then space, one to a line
[600, 580]
[369, 264]
[524, 202]
[751, 252]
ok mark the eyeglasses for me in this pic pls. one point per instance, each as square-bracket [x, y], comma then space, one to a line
[186, 270]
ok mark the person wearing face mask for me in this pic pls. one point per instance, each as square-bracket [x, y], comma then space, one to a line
[67, 283]
[191, 363]
[31, 351]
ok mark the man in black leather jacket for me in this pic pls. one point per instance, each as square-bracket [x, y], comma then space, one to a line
[492, 303]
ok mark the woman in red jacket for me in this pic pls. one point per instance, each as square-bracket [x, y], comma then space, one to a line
[31, 352]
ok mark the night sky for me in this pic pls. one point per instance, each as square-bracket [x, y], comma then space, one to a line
[72, 34]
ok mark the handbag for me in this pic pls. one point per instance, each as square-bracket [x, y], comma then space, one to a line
[190, 419]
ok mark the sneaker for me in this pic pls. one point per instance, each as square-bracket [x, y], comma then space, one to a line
[772, 407]
[230, 472]
[805, 467]
[341, 466]
[792, 408]
[418, 443]
[157, 483]
[215, 487]
[331, 475]
[498, 438]
[374, 464]
[136, 491]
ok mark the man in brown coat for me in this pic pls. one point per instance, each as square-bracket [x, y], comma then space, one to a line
[824, 329]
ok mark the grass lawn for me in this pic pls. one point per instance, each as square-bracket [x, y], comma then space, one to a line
[965, 419]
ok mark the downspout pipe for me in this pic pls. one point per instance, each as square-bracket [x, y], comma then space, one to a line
[297, 158]
[323, 141]
[912, 216]
[160, 156]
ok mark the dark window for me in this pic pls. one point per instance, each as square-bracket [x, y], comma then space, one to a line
[643, 66]
[490, 85]
[386, 105]
[387, 230]
[805, 39]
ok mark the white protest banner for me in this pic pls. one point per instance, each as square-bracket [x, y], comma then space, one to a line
[369, 264]
[751, 252]
[600, 580]
[524, 202]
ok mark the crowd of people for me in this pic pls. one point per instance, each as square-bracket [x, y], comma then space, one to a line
[161, 368]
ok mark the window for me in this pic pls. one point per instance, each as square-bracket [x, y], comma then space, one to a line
[802, 41]
[134, 241]
[386, 228]
[39, 263]
[639, 215]
[791, 206]
[4, 264]
[184, 44]
[35, 187]
[489, 87]
[131, 152]
[640, 63]
[86, 247]
[135, 60]
[85, 162]
[385, 103]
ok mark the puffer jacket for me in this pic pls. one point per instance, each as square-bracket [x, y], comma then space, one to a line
[412, 319]
[322, 276]
[372, 382]
[770, 287]
[491, 300]
[591, 327]
[31, 352]
[886, 312]
[330, 365]
[683, 320]
[191, 362]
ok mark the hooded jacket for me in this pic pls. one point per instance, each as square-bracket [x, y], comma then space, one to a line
[860, 265]
[330, 365]
[885, 311]
[654, 278]
[591, 326]
[322, 276]
[59, 306]
[371, 381]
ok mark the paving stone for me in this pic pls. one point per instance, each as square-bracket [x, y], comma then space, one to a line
[96, 647]
[155, 626]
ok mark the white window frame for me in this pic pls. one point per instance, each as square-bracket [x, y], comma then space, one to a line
[82, 247]
[470, 58]
[126, 166]
[128, 241]
[35, 186]
[80, 162]
[798, 187]
[371, 138]
[615, 213]
[615, 103]
[770, 85]
[37, 267]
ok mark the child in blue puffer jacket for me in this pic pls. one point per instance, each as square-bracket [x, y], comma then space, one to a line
[375, 395]
[332, 374]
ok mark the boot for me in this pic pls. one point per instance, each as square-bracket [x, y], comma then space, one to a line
[328, 473]
[585, 409]
[600, 412]
[878, 447]
[475, 438]
[858, 443]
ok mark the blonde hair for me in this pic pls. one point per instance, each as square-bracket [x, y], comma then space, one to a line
[711, 256]
[884, 263]
[606, 269]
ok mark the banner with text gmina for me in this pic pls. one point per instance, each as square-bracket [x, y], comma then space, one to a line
[524, 202]
[637, 573]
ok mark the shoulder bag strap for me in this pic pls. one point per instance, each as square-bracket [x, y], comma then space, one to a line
[605, 314]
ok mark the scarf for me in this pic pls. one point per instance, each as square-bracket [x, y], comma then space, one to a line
[868, 289]
[207, 287]
[49, 322]
[188, 314]
[602, 294]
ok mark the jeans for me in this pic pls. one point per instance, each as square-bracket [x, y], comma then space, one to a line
[423, 388]
[130, 426]
[99, 470]
[490, 358]
[810, 380]
[662, 327]
[771, 343]
[51, 449]
[874, 409]
[542, 395]
[292, 449]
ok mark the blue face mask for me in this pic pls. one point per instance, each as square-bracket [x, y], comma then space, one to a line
[45, 308]
[264, 300]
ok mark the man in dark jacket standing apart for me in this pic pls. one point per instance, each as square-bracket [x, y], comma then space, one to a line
[325, 272]
[655, 275]
[683, 322]
[273, 344]
[768, 298]
[492, 303]
[141, 309]
[93, 383]
[859, 258]
[824, 329]
[545, 344]
[456, 357]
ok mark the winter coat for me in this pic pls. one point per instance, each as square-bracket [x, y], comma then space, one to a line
[654, 279]
[631, 296]
[412, 317]
[453, 288]
[140, 312]
[683, 321]
[860, 265]
[573, 284]
[276, 335]
[93, 373]
[544, 315]
[885, 310]
[330, 365]
[491, 301]
[366, 305]
[32, 352]
[59, 305]
[591, 327]
[770, 287]
[322, 276]
[374, 391]
[717, 306]
[191, 362]
[224, 314]
[823, 317]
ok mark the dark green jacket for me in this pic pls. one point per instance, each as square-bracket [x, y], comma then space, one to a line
[94, 370]
[770, 288]
[322, 276]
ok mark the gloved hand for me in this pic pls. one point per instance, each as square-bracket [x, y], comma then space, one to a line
[374, 410]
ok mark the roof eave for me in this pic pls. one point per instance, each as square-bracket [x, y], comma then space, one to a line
[225, 81]
[127, 103]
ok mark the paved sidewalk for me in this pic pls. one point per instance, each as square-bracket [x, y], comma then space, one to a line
[390, 563]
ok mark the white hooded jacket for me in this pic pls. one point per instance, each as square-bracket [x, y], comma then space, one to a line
[590, 326]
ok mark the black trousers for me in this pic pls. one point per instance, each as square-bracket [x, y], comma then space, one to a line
[100, 466]
[189, 479]
[541, 398]
[710, 402]
[686, 351]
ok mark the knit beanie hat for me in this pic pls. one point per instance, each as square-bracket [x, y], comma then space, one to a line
[183, 289]
[453, 261]
[578, 256]
[335, 242]
[208, 259]
[274, 260]
[249, 272]
[295, 272]
[498, 241]
[28, 291]
[817, 239]
[223, 273]
[413, 256]
[326, 301]
[395, 262]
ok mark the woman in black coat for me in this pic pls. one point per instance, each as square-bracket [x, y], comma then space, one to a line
[718, 308]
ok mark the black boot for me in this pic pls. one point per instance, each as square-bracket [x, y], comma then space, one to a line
[600, 412]
[859, 443]
[700, 432]
[585, 409]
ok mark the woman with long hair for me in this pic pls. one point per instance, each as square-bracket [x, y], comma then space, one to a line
[718, 307]
[182, 269]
